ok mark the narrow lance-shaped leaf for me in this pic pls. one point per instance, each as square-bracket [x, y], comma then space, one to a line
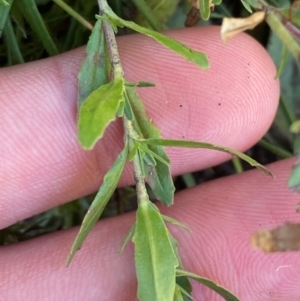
[254, 3]
[196, 144]
[247, 6]
[110, 182]
[227, 295]
[154, 256]
[194, 56]
[175, 222]
[95, 68]
[128, 238]
[159, 176]
[182, 282]
[98, 111]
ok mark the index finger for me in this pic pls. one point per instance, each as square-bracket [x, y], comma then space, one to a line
[42, 166]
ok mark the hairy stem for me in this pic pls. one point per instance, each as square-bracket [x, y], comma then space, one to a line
[127, 124]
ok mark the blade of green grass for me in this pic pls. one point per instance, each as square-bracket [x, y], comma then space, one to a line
[34, 18]
[74, 14]
[11, 41]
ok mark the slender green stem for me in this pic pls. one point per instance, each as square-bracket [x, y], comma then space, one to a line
[128, 128]
[73, 13]
[275, 149]
[111, 42]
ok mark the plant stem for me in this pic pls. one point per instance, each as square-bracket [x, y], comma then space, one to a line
[127, 124]
[73, 13]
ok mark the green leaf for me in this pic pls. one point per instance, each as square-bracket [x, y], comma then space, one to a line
[247, 6]
[154, 256]
[227, 295]
[254, 3]
[183, 282]
[128, 237]
[196, 144]
[175, 222]
[158, 177]
[95, 67]
[217, 2]
[110, 182]
[194, 56]
[204, 9]
[4, 11]
[98, 111]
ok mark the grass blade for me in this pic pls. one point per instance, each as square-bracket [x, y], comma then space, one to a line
[33, 17]
[4, 11]
[12, 43]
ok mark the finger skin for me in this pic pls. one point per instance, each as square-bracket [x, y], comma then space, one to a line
[222, 215]
[42, 164]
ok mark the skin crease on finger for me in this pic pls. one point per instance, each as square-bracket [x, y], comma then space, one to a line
[222, 214]
[42, 165]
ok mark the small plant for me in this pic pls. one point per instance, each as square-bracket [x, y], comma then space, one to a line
[106, 95]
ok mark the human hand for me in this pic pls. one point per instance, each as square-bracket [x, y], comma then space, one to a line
[42, 166]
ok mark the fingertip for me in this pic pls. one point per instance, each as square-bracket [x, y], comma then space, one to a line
[233, 103]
